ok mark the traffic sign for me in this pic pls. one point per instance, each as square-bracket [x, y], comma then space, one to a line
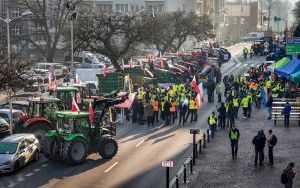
[167, 164]
[194, 131]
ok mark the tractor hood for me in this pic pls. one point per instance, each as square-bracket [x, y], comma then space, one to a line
[65, 134]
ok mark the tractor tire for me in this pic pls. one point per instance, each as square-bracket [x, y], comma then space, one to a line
[75, 151]
[39, 129]
[108, 148]
[47, 148]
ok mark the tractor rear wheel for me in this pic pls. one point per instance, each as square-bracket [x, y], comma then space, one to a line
[108, 148]
[39, 129]
[75, 151]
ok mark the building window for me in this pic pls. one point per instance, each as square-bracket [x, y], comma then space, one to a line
[15, 12]
[234, 20]
[16, 30]
[105, 7]
[242, 21]
[122, 7]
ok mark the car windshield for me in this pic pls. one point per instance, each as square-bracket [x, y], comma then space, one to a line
[8, 148]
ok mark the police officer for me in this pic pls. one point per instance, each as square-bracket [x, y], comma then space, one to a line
[192, 109]
[245, 104]
[212, 122]
[234, 135]
[235, 102]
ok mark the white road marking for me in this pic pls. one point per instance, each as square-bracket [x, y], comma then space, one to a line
[139, 143]
[29, 174]
[111, 167]
[44, 165]
[161, 126]
[37, 170]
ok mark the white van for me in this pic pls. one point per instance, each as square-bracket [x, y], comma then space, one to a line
[57, 68]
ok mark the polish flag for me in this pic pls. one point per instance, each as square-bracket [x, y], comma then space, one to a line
[122, 65]
[78, 81]
[55, 85]
[194, 85]
[74, 106]
[104, 71]
[201, 93]
[91, 112]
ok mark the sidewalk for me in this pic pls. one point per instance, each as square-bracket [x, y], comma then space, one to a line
[215, 167]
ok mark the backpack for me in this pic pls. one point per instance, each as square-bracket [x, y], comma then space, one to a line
[274, 140]
[284, 177]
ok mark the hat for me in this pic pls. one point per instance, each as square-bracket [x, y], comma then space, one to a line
[291, 164]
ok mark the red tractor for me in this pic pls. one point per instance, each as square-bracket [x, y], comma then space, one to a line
[40, 118]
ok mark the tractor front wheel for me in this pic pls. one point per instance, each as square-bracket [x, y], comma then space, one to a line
[76, 151]
[48, 148]
[108, 148]
[39, 130]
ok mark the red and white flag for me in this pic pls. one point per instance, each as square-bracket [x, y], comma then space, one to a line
[201, 93]
[74, 106]
[78, 81]
[91, 112]
[104, 70]
[194, 85]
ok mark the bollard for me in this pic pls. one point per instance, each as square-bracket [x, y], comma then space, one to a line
[207, 135]
[184, 173]
[200, 143]
[196, 151]
[204, 140]
[177, 181]
[168, 177]
[191, 165]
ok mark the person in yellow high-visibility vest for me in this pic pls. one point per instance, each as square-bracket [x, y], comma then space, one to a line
[245, 103]
[212, 122]
[234, 135]
[192, 109]
[236, 105]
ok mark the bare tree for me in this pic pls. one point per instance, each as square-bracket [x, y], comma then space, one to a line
[296, 12]
[110, 34]
[49, 19]
[170, 31]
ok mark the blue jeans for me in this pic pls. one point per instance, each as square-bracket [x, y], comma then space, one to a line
[212, 129]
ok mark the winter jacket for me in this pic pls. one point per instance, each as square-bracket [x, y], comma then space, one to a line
[287, 109]
[148, 110]
[259, 141]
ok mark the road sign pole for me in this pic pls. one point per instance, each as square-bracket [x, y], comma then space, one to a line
[167, 177]
[194, 149]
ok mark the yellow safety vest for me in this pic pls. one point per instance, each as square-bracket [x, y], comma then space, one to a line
[212, 120]
[233, 135]
[192, 105]
[245, 102]
[162, 106]
[235, 102]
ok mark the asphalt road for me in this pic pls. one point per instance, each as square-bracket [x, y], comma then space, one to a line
[138, 162]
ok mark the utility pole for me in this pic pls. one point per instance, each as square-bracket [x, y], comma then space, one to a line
[269, 12]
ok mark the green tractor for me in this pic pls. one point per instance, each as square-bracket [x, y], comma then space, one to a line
[76, 136]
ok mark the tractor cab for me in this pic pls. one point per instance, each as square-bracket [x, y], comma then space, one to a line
[65, 94]
[43, 107]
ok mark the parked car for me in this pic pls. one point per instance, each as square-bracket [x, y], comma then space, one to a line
[18, 150]
[57, 68]
[4, 128]
[16, 115]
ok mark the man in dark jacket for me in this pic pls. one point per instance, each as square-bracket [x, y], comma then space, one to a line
[234, 135]
[167, 107]
[141, 111]
[287, 111]
[182, 108]
[269, 105]
[134, 108]
[259, 141]
[222, 115]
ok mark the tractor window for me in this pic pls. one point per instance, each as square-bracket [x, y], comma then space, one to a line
[65, 124]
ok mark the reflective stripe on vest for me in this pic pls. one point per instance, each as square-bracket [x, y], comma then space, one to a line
[212, 120]
[155, 106]
[173, 107]
[226, 107]
[233, 135]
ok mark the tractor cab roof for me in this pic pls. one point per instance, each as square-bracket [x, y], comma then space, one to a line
[71, 114]
[67, 88]
[44, 100]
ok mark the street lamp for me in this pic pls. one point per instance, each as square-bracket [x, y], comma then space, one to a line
[7, 21]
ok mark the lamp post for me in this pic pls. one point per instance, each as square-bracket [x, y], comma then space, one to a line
[7, 20]
[71, 6]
